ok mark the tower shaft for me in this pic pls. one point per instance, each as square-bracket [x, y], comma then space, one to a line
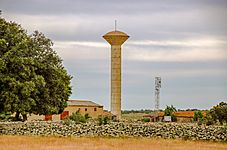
[116, 80]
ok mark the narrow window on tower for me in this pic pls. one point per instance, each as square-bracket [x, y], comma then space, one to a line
[85, 109]
[95, 109]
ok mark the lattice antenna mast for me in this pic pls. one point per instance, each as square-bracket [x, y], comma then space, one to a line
[157, 92]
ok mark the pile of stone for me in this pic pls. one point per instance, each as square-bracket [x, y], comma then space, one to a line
[117, 129]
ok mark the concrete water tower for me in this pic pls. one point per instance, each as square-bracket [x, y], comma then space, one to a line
[116, 39]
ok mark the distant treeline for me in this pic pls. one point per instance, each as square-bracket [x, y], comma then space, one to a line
[192, 109]
[147, 111]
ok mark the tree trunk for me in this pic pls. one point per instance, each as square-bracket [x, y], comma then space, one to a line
[17, 116]
[24, 117]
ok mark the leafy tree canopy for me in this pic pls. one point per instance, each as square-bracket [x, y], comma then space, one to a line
[32, 77]
[198, 116]
[217, 114]
[169, 112]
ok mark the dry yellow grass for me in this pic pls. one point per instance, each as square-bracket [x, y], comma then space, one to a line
[133, 116]
[58, 143]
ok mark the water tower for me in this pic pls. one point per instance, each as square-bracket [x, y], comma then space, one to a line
[116, 39]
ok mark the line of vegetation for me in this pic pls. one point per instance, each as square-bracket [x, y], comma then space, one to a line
[148, 111]
[145, 111]
[76, 118]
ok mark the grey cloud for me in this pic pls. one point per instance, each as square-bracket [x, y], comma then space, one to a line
[104, 7]
[141, 19]
[168, 26]
[95, 6]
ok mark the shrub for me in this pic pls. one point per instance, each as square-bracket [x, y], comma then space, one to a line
[173, 117]
[198, 116]
[209, 120]
[77, 118]
[99, 120]
[195, 117]
[106, 120]
[5, 116]
[103, 120]
[67, 121]
[146, 120]
[87, 116]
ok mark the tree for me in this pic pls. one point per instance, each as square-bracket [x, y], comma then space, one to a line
[198, 116]
[32, 77]
[217, 114]
[169, 112]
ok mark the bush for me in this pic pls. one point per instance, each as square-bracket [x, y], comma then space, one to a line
[195, 117]
[5, 116]
[103, 120]
[77, 118]
[67, 121]
[146, 120]
[198, 116]
[87, 116]
[99, 120]
[209, 120]
[173, 117]
[106, 120]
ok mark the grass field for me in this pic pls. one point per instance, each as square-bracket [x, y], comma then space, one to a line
[133, 116]
[62, 143]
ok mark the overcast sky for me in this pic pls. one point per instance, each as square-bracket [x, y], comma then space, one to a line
[183, 41]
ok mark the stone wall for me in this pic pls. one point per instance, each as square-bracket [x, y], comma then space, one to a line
[118, 129]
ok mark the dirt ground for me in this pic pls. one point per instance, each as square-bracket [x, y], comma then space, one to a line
[63, 143]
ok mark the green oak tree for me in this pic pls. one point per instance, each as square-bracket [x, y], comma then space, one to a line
[217, 114]
[32, 77]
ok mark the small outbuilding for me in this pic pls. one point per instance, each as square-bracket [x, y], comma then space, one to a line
[83, 106]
